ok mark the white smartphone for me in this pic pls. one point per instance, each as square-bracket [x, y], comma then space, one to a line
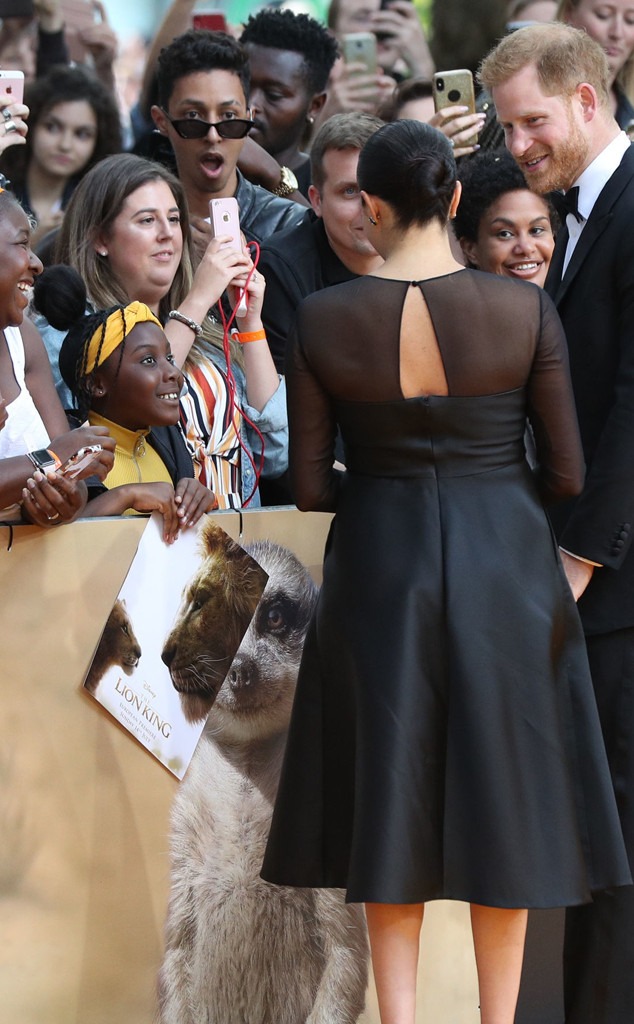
[12, 86]
[225, 220]
[360, 48]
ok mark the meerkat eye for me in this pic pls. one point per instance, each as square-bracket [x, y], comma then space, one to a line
[275, 618]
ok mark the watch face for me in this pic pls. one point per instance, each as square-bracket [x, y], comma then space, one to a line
[288, 179]
[42, 459]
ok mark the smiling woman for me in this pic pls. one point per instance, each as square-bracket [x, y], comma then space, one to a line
[501, 225]
[30, 486]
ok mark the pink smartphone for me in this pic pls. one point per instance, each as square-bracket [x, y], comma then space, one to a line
[225, 220]
[79, 461]
[214, 21]
[12, 86]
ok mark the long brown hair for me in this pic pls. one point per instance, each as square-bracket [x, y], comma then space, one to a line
[625, 77]
[94, 206]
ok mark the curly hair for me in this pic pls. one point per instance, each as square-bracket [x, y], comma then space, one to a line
[298, 33]
[65, 84]
[199, 50]
[485, 177]
[94, 206]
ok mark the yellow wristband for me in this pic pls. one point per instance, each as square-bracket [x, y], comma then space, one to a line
[244, 339]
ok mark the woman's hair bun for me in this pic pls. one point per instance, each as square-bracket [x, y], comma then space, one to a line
[411, 166]
[59, 294]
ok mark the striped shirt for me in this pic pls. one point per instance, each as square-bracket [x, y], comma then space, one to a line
[212, 432]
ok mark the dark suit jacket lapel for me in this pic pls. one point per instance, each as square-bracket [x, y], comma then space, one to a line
[600, 217]
[553, 277]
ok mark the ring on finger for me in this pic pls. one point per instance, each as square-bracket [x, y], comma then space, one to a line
[452, 143]
[10, 126]
[51, 518]
[6, 113]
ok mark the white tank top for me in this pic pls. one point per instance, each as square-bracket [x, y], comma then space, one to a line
[24, 430]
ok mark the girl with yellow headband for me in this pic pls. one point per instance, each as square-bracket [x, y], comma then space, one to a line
[119, 366]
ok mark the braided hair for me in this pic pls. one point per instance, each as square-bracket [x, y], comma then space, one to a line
[60, 295]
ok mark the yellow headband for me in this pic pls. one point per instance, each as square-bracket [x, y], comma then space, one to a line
[117, 326]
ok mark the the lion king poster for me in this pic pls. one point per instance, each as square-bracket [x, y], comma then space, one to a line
[151, 670]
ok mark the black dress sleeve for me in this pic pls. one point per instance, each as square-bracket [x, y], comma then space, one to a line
[551, 411]
[312, 432]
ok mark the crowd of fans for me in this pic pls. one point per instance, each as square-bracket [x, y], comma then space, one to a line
[117, 183]
[142, 349]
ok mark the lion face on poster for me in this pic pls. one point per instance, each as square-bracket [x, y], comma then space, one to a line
[218, 604]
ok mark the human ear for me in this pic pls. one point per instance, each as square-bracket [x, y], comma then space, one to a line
[314, 197]
[100, 245]
[370, 208]
[96, 385]
[470, 249]
[160, 119]
[316, 106]
[588, 100]
[455, 200]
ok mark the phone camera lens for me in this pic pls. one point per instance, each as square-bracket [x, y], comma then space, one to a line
[440, 84]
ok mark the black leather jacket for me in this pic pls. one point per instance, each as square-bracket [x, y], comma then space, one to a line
[262, 213]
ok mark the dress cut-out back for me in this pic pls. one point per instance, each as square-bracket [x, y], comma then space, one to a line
[444, 695]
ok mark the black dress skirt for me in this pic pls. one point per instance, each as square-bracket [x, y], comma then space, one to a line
[444, 741]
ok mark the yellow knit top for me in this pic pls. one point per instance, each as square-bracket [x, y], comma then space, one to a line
[135, 461]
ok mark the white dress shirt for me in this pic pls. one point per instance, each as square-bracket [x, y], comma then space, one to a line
[591, 183]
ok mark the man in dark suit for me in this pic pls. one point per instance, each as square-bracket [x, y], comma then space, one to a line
[550, 87]
[328, 247]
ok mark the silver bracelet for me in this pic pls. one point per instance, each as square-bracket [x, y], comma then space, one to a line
[175, 314]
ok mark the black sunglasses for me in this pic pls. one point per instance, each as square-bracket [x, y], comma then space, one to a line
[196, 128]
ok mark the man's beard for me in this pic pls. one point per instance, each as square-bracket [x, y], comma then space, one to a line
[565, 162]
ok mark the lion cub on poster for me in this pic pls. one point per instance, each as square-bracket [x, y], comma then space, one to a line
[239, 950]
[118, 646]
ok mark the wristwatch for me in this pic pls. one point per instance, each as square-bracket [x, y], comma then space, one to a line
[43, 460]
[287, 185]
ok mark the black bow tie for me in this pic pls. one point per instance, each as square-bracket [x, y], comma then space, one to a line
[566, 203]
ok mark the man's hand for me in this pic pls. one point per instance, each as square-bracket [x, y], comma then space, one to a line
[578, 573]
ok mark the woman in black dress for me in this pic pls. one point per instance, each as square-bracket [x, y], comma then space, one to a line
[444, 741]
